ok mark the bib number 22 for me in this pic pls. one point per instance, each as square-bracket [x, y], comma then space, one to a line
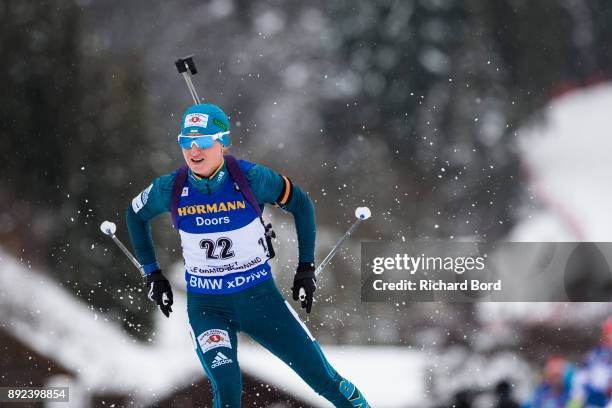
[210, 246]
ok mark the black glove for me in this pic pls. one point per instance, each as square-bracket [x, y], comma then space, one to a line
[305, 278]
[160, 291]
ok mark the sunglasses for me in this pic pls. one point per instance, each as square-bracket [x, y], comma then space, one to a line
[201, 142]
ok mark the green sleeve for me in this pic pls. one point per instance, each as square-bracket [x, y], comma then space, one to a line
[151, 202]
[267, 187]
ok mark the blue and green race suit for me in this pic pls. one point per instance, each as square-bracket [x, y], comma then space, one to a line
[229, 282]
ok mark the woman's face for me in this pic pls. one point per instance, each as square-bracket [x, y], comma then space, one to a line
[204, 162]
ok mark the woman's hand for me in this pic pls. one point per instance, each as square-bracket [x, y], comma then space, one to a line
[305, 278]
[160, 291]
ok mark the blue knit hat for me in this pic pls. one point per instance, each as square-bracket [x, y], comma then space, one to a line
[206, 119]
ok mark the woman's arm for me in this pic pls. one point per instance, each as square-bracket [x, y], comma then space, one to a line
[153, 201]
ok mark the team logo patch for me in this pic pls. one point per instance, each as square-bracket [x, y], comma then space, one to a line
[196, 119]
[214, 338]
[220, 124]
[220, 359]
[185, 192]
[352, 394]
[141, 199]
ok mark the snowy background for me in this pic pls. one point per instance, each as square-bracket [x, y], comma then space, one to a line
[451, 120]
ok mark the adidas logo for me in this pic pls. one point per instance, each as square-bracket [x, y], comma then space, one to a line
[220, 359]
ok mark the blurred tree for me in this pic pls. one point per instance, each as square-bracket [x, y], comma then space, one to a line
[69, 125]
[601, 16]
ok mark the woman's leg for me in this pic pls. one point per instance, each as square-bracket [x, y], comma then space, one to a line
[271, 321]
[216, 345]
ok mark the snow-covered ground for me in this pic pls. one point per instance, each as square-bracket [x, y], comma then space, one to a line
[53, 322]
[387, 376]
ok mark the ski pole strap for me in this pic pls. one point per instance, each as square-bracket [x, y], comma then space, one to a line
[180, 179]
[243, 185]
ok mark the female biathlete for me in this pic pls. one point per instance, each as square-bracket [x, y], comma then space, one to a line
[216, 202]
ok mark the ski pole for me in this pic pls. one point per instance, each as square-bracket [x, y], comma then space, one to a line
[362, 213]
[109, 228]
[186, 67]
